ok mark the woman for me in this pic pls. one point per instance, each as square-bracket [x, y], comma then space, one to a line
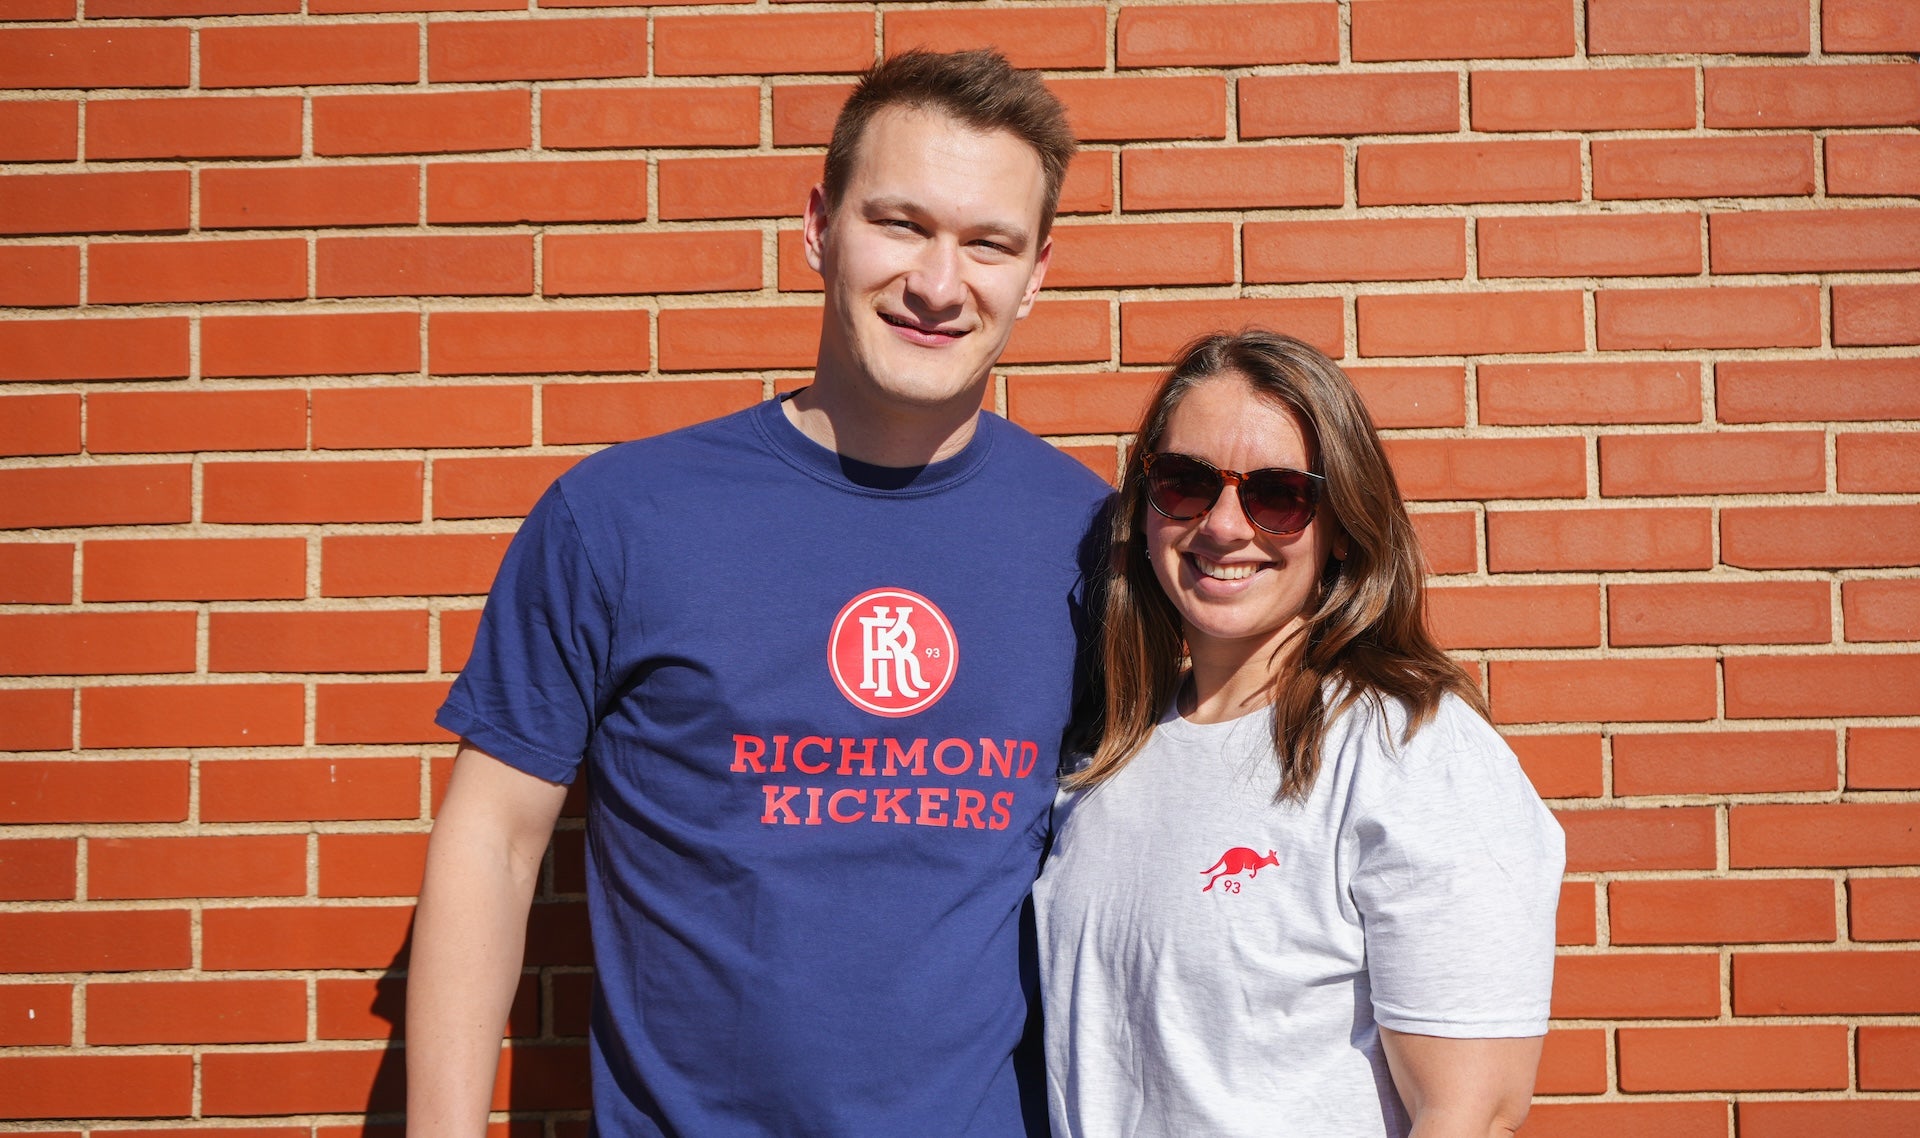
[1301, 887]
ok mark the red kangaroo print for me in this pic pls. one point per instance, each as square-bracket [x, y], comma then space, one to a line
[1237, 860]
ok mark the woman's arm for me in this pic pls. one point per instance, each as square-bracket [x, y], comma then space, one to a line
[1463, 1088]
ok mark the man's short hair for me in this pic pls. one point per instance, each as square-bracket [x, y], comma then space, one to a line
[979, 88]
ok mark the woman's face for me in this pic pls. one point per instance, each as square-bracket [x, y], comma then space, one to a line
[1238, 588]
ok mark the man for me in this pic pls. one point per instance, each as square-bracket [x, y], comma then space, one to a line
[816, 658]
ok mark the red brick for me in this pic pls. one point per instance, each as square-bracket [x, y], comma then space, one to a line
[1576, 921]
[35, 869]
[1427, 173]
[1876, 314]
[368, 418]
[1636, 98]
[1883, 758]
[372, 865]
[410, 565]
[526, 343]
[1419, 102]
[1881, 610]
[1884, 908]
[379, 713]
[152, 347]
[1062, 332]
[1666, 319]
[1826, 983]
[1744, 762]
[1573, 1061]
[1557, 393]
[146, 271]
[39, 424]
[1597, 540]
[197, 1011]
[194, 569]
[718, 339]
[109, 941]
[763, 43]
[1560, 766]
[482, 51]
[1811, 835]
[1889, 1058]
[457, 628]
[1364, 249]
[96, 1086]
[300, 1082]
[146, 201]
[1413, 396]
[612, 264]
[36, 573]
[304, 937]
[526, 191]
[377, 1009]
[94, 57]
[148, 422]
[309, 196]
[1641, 985]
[1724, 911]
[1466, 324]
[96, 790]
[194, 128]
[1099, 403]
[1862, 94]
[260, 641]
[504, 487]
[1727, 1057]
[803, 113]
[1869, 26]
[1824, 537]
[601, 412]
[438, 122]
[1799, 687]
[1683, 1118]
[1873, 164]
[1733, 167]
[1750, 462]
[39, 276]
[1623, 245]
[39, 131]
[1514, 616]
[1461, 29]
[96, 643]
[1449, 542]
[1128, 108]
[357, 343]
[1041, 38]
[36, 1015]
[1479, 469]
[1151, 332]
[1584, 691]
[635, 118]
[148, 9]
[302, 790]
[34, 719]
[1705, 27]
[774, 185]
[1231, 177]
[204, 715]
[252, 865]
[1870, 463]
[39, 10]
[59, 496]
[491, 265]
[1809, 241]
[298, 55]
[1231, 35]
[1141, 255]
[1776, 391]
[1864, 1118]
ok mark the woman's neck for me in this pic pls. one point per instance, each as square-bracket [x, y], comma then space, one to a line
[1226, 681]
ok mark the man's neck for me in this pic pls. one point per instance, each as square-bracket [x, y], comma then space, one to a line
[894, 437]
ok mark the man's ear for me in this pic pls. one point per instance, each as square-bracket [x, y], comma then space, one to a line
[1040, 264]
[814, 235]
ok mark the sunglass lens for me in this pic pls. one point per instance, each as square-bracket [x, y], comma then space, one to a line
[1278, 501]
[1181, 488]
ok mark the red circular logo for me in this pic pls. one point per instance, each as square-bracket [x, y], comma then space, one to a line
[892, 652]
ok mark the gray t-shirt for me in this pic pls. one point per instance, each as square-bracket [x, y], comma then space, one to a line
[1215, 963]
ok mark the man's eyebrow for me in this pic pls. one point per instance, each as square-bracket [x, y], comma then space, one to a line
[893, 203]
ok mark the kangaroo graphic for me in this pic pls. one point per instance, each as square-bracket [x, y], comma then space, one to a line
[1239, 859]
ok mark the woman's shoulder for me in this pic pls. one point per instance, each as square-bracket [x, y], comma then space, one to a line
[1382, 732]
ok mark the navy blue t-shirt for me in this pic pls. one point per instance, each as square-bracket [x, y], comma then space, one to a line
[819, 705]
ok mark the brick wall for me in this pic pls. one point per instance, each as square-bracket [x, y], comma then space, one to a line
[303, 304]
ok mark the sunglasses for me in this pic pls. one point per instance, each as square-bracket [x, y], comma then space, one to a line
[1277, 499]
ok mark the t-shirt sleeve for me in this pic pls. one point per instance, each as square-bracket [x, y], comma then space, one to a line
[530, 693]
[1456, 878]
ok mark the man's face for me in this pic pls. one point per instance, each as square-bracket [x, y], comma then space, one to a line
[932, 254]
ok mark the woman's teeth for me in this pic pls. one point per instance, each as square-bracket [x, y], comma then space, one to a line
[1221, 572]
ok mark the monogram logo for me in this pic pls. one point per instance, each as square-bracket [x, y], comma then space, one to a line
[892, 652]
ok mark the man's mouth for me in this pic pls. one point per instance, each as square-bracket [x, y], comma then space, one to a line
[925, 330]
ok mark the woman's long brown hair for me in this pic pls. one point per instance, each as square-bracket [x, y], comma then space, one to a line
[1366, 638]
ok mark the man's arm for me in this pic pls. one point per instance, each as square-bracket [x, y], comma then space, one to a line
[1463, 1088]
[469, 937]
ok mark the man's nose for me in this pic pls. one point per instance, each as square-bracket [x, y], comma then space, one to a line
[936, 276]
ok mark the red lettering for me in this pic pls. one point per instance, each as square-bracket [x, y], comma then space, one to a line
[825, 746]
[813, 805]
[896, 758]
[779, 755]
[1029, 755]
[747, 751]
[833, 805]
[780, 798]
[1002, 806]
[933, 800]
[992, 756]
[951, 744]
[889, 800]
[967, 805]
[848, 756]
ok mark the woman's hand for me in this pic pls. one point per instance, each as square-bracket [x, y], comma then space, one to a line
[1463, 1088]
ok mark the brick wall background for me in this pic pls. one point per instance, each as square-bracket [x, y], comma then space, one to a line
[305, 300]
